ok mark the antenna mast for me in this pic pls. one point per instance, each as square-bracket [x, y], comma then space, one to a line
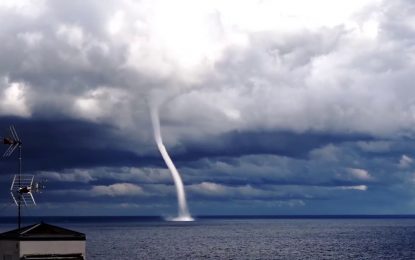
[14, 142]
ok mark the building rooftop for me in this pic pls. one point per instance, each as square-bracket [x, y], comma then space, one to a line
[42, 232]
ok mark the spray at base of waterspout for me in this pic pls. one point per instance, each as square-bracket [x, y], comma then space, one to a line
[181, 219]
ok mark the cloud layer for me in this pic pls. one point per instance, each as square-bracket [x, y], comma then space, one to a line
[290, 106]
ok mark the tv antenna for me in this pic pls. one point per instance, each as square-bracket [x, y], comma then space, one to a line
[23, 185]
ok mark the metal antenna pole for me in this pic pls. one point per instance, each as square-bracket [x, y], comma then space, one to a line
[20, 185]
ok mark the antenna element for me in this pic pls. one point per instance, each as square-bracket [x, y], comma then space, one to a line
[14, 141]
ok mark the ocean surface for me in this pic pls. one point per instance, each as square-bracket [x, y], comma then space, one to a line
[243, 238]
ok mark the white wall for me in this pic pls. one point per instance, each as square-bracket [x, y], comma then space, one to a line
[52, 247]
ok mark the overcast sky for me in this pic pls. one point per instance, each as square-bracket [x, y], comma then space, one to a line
[266, 107]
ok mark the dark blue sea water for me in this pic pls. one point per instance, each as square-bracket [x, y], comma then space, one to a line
[244, 238]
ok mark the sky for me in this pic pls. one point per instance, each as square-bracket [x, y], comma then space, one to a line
[266, 107]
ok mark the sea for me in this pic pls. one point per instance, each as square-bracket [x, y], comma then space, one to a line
[246, 237]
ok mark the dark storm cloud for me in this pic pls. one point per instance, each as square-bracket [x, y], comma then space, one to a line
[83, 144]
[71, 144]
[282, 143]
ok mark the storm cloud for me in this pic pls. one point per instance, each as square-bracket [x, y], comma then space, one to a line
[265, 106]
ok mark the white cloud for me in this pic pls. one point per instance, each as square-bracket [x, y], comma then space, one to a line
[126, 174]
[32, 39]
[71, 34]
[77, 175]
[28, 8]
[405, 161]
[356, 187]
[97, 104]
[13, 98]
[359, 174]
[209, 188]
[116, 190]
[116, 22]
[327, 153]
[375, 146]
[219, 190]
